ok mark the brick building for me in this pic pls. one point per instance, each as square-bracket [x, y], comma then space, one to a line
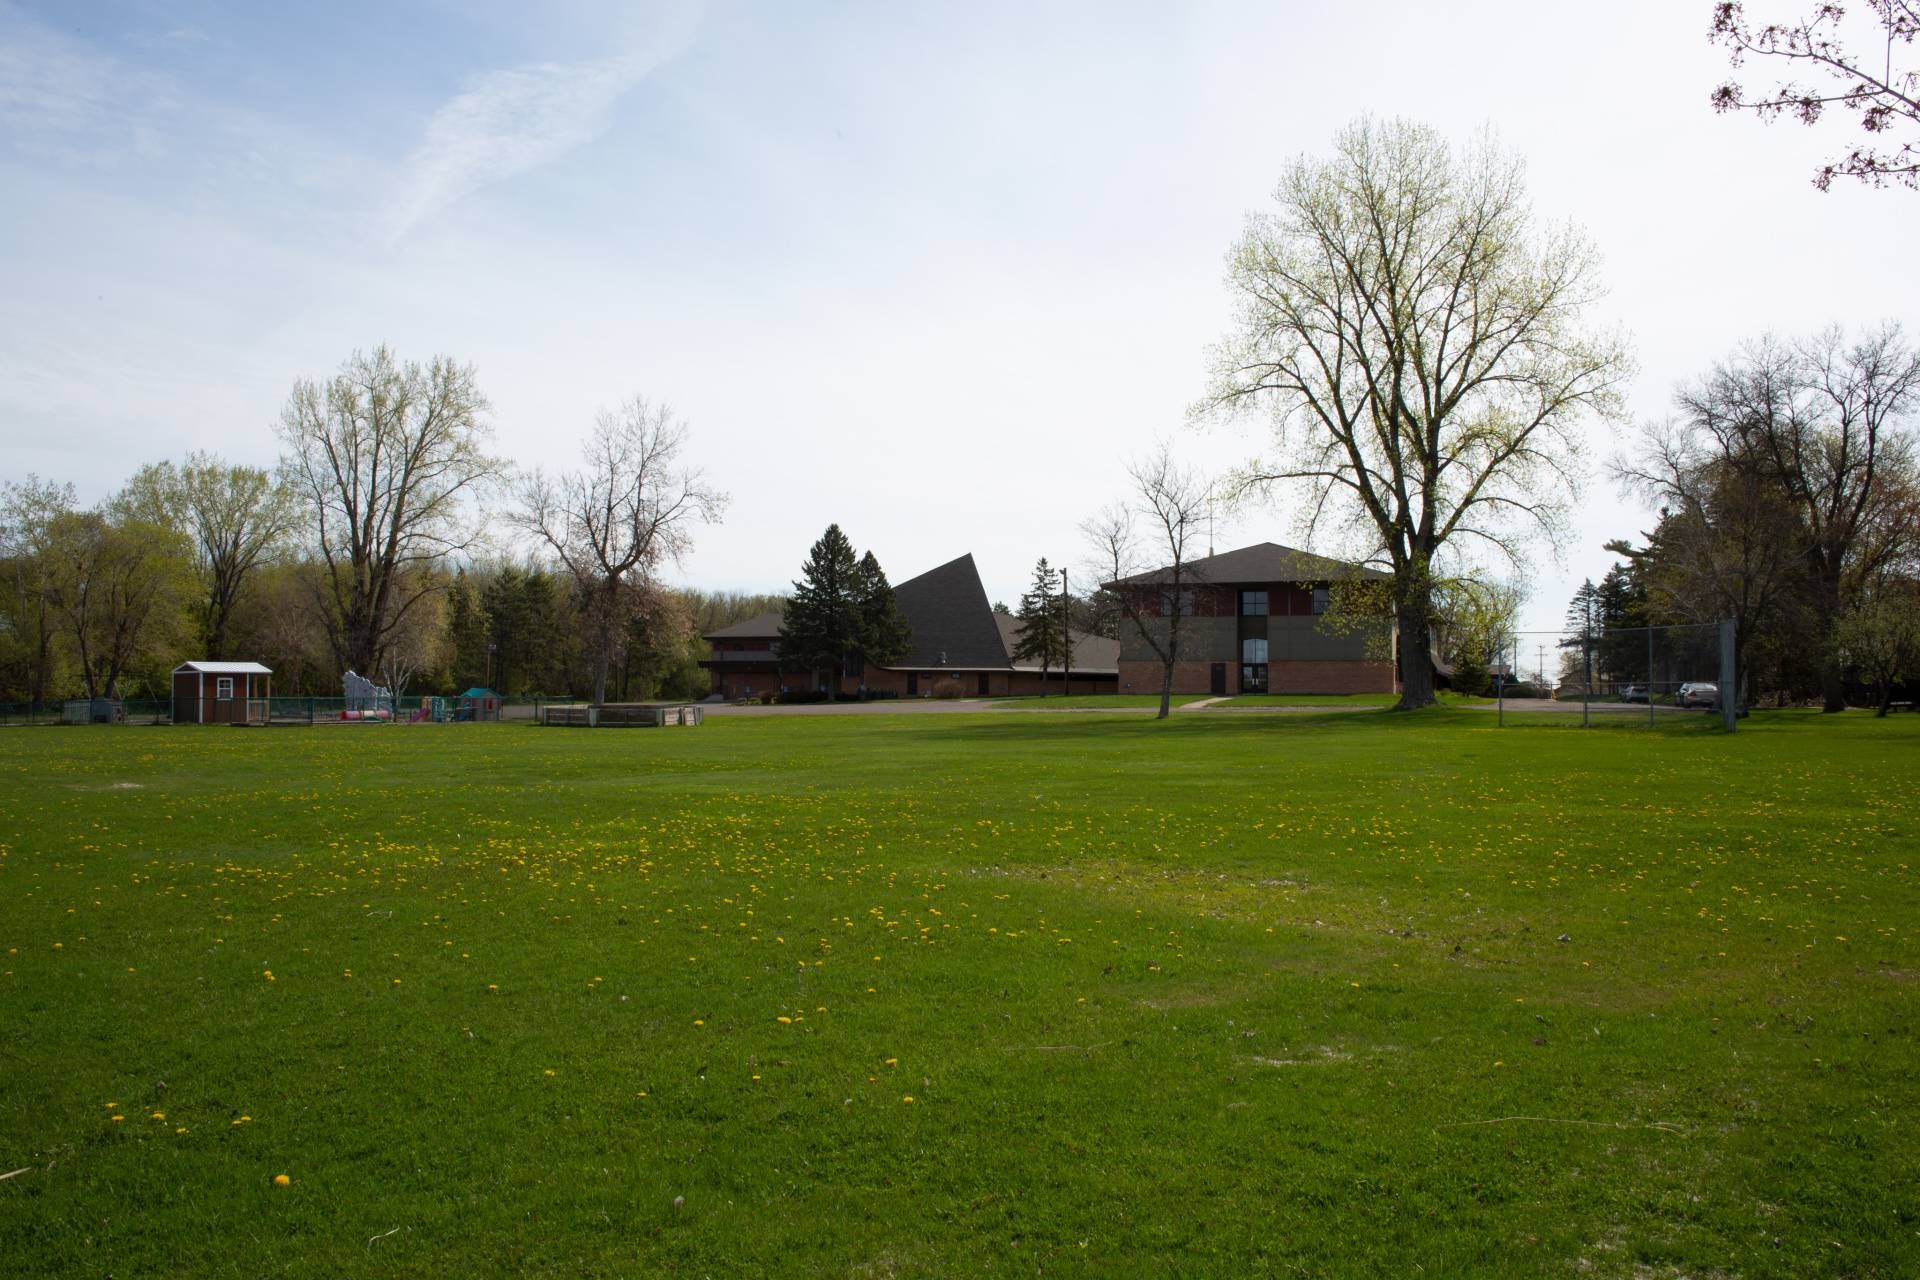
[1250, 623]
[957, 637]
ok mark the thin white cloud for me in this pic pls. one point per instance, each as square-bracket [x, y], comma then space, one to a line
[507, 122]
[60, 99]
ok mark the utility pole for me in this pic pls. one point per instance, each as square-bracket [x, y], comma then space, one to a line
[1066, 638]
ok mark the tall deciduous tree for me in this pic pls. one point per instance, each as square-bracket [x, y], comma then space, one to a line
[1877, 79]
[237, 518]
[1805, 448]
[1880, 634]
[1042, 628]
[29, 512]
[120, 583]
[1421, 344]
[629, 510]
[384, 457]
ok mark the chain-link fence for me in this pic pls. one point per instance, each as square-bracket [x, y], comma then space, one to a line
[1617, 675]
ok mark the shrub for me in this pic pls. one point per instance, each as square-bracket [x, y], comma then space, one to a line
[948, 687]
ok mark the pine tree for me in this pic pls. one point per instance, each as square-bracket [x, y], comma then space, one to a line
[885, 637]
[822, 621]
[1041, 636]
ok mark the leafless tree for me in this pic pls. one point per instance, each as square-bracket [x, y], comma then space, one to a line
[1823, 422]
[1728, 544]
[613, 523]
[1160, 521]
[1420, 344]
[1885, 98]
[238, 517]
[384, 457]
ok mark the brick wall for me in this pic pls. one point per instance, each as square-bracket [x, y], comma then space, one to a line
[1331, 677]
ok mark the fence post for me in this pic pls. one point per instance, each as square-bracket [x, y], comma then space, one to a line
[1649, 687]
[1728, 675]
[1586, 683]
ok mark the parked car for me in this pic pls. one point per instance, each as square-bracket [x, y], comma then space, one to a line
[1634, 693]
[1699, 695]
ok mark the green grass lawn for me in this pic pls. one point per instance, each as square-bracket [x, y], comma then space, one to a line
[1343, 700]
[1094, 701]
[928, 996]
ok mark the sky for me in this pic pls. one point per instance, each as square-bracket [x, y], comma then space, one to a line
[933, 272]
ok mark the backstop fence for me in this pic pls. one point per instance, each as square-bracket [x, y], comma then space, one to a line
[1617, 675]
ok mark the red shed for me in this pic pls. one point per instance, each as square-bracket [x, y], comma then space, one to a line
[221, 693]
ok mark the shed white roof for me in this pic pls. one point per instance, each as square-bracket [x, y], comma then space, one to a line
[226, 668]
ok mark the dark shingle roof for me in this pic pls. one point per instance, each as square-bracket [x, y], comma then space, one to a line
[952, 621]
[754, 628]
[1262, 562]
[1090, 652]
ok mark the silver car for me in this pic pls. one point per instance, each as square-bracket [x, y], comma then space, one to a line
[1699, 695]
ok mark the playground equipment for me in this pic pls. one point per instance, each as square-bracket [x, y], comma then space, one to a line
[364, 700]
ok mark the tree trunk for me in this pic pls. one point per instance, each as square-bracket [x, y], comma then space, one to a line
[1832, 689]
[1416, 655]
[1166, 690]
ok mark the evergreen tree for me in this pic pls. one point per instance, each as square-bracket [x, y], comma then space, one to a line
[467, 636]
[821, 625]
[1584, 629]
[504, 602]
[885, 637]
[1041, 635]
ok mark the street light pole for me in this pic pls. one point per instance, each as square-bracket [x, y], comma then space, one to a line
[1066, 637]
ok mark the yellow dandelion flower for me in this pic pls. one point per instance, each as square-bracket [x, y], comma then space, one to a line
[181, 1129]
[908, 1098]
[116, 1118]
[784, 1020]
[698, 1023]
[893, 1062]
[158, 1115]
[282, 1180]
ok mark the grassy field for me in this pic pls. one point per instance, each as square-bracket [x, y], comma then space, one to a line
[927, 996]
[1095, 701]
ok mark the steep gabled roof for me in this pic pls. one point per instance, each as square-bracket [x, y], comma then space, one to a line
[1261, 562]
[761, 625]
[1090, 652]
[224, 668]
[951, 618]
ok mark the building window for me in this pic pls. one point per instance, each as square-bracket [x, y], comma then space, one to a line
[1253, 649]
[1320, 600]
[1253, 604]
[223, 688]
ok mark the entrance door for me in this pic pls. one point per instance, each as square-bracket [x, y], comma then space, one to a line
[913, 684]
[983, 684]
[1219, 678]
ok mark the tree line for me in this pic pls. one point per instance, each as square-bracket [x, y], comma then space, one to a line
[370, 548]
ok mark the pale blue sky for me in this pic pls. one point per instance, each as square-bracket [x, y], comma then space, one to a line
[930, 271]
